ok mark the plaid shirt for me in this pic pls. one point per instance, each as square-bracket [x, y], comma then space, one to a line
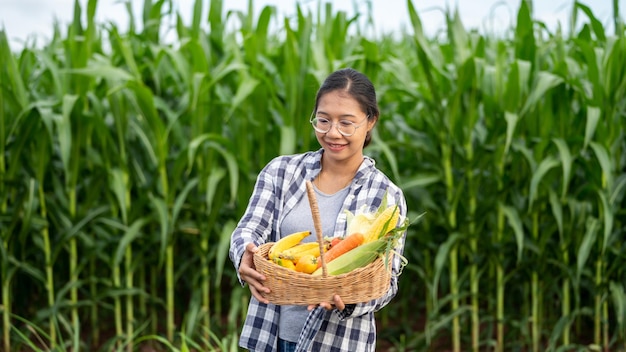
[279, 187]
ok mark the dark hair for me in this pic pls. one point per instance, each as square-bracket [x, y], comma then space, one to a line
[358, 86]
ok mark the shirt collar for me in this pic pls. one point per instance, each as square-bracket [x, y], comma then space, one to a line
[365, 168]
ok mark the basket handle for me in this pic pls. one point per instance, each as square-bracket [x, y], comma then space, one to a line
[315, 211]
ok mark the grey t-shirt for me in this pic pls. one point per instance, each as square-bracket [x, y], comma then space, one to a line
[300, 219]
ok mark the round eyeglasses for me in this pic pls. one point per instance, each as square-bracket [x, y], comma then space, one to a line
[345, 127]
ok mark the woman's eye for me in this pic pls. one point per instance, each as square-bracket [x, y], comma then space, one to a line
[322, 121]
[345, 123]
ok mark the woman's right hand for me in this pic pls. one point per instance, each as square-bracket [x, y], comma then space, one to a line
[249, 274]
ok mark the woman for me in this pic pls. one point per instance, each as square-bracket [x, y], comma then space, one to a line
[345, 113]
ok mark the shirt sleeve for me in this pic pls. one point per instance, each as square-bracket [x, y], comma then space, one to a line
[256, 224]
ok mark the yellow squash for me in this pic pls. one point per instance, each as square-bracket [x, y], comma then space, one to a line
[285, 263]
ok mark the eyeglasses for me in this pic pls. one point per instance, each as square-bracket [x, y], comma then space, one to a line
[345, 127]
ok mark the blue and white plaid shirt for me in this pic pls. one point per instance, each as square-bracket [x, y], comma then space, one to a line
[279, 187]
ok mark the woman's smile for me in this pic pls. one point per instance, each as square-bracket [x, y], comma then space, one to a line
[336, 147]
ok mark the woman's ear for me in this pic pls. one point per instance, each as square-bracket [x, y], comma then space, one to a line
[371, 123]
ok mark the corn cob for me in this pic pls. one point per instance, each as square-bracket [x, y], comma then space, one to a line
[358, 257]
[385, 222]
[286, 243]
[298, 251]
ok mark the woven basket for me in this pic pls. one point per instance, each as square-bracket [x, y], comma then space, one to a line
[292, 287]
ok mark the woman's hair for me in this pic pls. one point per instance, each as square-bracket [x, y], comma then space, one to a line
[358, 86]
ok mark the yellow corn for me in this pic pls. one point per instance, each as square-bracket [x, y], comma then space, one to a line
[385, 222]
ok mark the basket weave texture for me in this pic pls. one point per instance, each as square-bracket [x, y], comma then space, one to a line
[292, 287]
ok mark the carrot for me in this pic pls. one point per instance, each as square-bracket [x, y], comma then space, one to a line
[350, 242]
[334, 241]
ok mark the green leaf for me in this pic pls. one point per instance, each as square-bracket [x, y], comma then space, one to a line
[223, 69]
[596, 25]
[604, 160]
[566, 159]
[585, 247]
[544, 166]
[75, 230]
[182, 197]
[222, 250]
[378, 143]
[162, 214]
[515, 222]
[543, 83]
[145, 140]
[118, 184]
[103, 71]
[618, 189]
[441, 259]
[420, 180]
[11, 73]
[525, 43]
[213, 181]
[64, 132]
[217, 142]
[132, 232]
[144, 102]
[557, 210]
[563, 323]
[593, 117]
[619, 304]
[459, 36]
[511, 123]
[244, 90]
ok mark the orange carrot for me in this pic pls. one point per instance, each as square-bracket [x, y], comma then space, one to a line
[350, 242]
[334, 241]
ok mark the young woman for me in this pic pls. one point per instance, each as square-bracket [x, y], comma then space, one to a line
[345, 113]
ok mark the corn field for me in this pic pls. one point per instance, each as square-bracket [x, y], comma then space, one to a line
[126, 158]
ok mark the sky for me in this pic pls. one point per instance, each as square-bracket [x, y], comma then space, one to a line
[29, 19]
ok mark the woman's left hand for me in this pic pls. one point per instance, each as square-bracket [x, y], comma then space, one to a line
[337, 303]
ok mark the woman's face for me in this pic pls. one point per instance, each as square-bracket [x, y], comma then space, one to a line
[339, 106]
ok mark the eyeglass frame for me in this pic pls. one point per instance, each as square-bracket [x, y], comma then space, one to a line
[333, 124]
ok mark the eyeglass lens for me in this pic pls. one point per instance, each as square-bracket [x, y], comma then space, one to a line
[346, 128]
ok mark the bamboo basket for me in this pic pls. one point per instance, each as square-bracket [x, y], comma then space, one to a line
[295, 288]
